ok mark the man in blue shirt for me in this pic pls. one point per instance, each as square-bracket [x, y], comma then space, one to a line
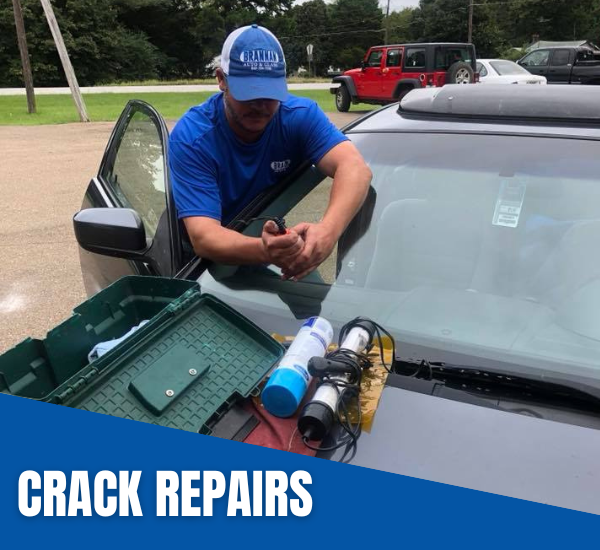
[226, 151]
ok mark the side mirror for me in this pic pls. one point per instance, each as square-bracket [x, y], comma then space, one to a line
[117, 232]
[363, 65]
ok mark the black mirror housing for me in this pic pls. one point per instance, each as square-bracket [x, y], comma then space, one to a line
[117, 232]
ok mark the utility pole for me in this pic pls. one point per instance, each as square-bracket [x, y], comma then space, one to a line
[22, 40]
[387, 24]
[66, 62]
[470, 22]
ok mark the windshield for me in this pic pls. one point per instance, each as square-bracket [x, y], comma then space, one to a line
[483, 245]
[508, 67]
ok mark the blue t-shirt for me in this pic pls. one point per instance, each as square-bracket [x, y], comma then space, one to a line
[215, 174]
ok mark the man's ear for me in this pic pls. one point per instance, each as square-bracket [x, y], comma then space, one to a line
[221, 79]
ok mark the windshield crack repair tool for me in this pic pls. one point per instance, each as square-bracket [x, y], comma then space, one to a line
[340, 372]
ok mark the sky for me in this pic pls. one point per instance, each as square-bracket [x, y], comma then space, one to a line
[397, 5]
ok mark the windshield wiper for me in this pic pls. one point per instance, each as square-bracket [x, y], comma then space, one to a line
[496, 383]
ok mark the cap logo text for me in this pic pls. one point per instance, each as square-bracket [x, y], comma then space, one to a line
[259, 56]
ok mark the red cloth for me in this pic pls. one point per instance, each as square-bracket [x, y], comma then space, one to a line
[279, 433]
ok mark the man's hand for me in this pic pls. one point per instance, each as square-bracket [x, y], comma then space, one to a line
[319, 240]
[281, 250]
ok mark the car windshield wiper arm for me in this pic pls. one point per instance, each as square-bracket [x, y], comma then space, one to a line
[491, 381]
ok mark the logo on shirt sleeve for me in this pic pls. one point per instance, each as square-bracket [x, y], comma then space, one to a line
[279, 166]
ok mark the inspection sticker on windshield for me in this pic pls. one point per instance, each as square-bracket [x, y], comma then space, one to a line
[509, 203]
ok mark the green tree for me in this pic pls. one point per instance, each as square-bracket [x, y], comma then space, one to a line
[101, 49]
[447, 21]
[111, 40]
[356, 26]
[189, 34]
[556, 20]
[443, 20]
[403, 26]
[237, 13]
[309, 24]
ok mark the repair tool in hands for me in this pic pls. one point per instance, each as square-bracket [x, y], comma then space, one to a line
[282, 230]
[340, 372]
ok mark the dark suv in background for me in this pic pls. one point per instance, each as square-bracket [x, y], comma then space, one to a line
[564, 64]
[388, 73]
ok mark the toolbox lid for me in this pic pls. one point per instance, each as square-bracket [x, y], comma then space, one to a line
[183, 369]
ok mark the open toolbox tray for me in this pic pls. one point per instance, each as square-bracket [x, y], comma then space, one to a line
[183, 369]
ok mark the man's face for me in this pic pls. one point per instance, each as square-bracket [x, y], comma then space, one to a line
[248, 119]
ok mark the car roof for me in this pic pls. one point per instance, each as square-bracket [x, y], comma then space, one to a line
[569, 111]
[581, 47]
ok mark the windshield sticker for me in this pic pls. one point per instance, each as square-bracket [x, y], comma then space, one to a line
[509, 203]
[351, 267]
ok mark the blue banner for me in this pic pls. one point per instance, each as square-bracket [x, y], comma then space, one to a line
[194, 490]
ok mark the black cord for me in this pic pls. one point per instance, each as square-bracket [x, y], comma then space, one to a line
[423, 363]
[356, 363]
[343, 418]
[280, 222]
[378, 330]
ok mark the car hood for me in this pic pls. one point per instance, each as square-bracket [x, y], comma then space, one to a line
[486, 449]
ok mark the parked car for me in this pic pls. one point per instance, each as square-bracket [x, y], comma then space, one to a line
[388, 73]
[564, 65]
[477, 250]
[502, 71]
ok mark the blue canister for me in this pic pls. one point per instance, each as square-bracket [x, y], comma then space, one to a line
[288, 383]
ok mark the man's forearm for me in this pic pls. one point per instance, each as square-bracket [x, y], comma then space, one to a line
[229, 247]
[348, 192]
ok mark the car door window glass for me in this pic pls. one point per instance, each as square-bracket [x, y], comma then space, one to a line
[482, 70]
[375, 58]
[394, 58]
[586, 56]
[446, 57]
[415, 58]
[537, 59]
[137, 175]
[560, 57]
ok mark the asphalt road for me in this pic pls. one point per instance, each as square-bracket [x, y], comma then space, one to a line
[43, 176]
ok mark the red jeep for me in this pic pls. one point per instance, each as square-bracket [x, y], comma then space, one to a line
[388, 73]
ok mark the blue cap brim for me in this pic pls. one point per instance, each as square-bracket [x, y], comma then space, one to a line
[247, 88]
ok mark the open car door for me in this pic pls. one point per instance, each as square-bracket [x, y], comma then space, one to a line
[128, 223]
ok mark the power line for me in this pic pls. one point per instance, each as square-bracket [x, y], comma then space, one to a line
[394, 27]
[331, 34]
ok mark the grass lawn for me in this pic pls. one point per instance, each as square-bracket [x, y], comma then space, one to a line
[58, 109]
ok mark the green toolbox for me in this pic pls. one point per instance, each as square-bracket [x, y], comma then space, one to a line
[184, 368]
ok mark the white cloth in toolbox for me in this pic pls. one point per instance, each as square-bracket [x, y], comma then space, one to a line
[103, 347]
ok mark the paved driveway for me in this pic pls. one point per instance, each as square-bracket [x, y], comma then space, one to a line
[43, 176]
